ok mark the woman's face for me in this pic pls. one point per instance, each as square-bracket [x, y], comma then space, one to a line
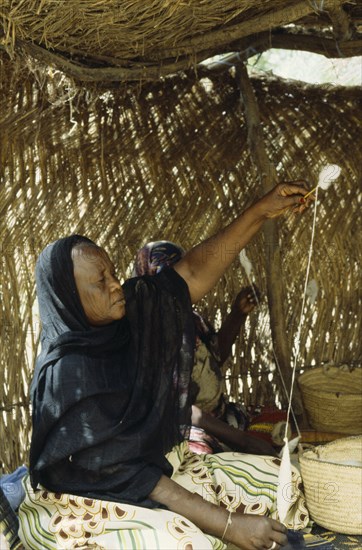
[99, 289]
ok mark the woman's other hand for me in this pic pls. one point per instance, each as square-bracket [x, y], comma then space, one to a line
[251, 532]
[247, 299]
[256, 446]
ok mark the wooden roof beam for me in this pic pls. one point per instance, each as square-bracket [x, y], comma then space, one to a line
[273, 262]
[342, 27]
[108, 70]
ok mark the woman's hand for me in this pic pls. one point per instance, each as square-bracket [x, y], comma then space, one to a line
[243, 304]
[247, 299]
[250, 532]
[285, 196]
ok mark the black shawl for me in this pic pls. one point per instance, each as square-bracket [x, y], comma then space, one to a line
[108, 401]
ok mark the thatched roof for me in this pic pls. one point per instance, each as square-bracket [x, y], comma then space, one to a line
[169, 158]
[138, 41]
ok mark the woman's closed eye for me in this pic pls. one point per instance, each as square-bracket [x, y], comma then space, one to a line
[101, 280]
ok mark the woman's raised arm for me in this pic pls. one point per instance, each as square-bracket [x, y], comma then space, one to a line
[204, 264]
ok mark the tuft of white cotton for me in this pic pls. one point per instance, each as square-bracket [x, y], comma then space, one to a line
[328, 174]
[292, 445]
[312, 291]
[246, 263]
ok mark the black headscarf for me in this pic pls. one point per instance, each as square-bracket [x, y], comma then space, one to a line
[108, 401]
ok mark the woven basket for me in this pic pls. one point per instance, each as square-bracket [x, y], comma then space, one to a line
[332, 477]
[332, 397]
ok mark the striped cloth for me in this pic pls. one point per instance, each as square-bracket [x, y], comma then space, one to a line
[9, 523]
[239, 482]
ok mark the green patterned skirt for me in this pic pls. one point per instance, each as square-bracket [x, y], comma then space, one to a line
[240, 482]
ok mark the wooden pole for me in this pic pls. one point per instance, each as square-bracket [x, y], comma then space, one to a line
[273, 263]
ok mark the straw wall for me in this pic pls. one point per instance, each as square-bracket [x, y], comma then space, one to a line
[170, 160]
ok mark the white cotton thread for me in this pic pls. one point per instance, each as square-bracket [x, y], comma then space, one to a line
[297, 338]
[248, 267]
[285, 472]
[328, 174]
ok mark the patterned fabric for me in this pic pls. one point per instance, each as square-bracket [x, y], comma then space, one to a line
[206, 377]
[12, 487]
[239, 482]
[268, 423]
[201, 442]
[312, 541]
[332, 540]
[8, 523]
[156, 255]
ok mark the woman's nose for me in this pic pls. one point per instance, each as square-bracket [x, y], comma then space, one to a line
[115, 284]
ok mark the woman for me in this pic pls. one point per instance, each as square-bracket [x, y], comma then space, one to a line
[110, 391]
[211, 414]
[211, 348]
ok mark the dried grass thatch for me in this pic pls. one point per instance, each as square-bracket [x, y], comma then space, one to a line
[137, 40]
[172, 161]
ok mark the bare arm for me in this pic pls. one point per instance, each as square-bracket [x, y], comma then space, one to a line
[248, 532]
[207, 516]
[204, 264]
[243, 304]
[234, 438]
[228, 332]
